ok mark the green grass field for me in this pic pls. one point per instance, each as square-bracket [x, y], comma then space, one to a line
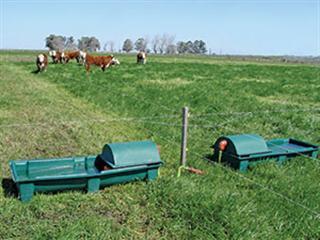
[65, 112]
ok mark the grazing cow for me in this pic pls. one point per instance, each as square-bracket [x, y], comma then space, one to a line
[56, 56]
[101, 61]
[82, 57]
[42, 62]
[142, 57]
[67, 56]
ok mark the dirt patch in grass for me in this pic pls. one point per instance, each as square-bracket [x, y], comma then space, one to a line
[218, 205]
[257, 80]
[46, 121]
[277, 100]
[175, 82]
[300, 102]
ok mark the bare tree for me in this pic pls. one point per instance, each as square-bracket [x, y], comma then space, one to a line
[70, 44]
[155, 44]
[162, 44]
[105, 47]
[165, 41]
[111, 46]
[146, 43]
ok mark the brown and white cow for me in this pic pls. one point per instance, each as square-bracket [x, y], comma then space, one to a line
[102, 61]
[56, 56]
[141, 57]
[42, 62]
[67, 56]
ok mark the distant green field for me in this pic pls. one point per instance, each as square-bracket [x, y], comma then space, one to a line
[65, 111]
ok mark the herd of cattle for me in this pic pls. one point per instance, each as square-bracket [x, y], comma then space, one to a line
[82, 58]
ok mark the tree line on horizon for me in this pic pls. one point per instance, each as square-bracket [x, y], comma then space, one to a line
[160, 44]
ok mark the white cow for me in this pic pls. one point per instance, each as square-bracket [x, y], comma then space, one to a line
[82, 57]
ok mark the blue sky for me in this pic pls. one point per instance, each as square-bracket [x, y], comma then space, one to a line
[267, 27]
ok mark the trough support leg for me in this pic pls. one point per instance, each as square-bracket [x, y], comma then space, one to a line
[281, 160]
[93, 185]
[152, 174]
[314, 155]
[26, 191]
[243, 166]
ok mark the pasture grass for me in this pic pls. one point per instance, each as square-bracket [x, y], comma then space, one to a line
[64, 108]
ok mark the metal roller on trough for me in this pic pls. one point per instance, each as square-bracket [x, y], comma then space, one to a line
[242, 151]
[118, 163]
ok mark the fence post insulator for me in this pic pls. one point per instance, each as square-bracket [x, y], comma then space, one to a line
[223, 144]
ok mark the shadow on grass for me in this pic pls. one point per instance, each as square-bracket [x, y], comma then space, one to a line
[35, 71]
[9, 187]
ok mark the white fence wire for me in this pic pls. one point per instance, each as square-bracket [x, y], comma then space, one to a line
[176, 117]
[149, 119]
[252, 181]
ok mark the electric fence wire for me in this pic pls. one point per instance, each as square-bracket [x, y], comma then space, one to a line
[146, 119]
[255, 182]
[141, 120]
[262, 186]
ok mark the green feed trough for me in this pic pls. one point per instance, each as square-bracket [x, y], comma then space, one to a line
[242, 151]
[118, 163]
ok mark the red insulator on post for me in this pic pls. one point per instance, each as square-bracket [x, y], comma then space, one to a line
[223, 145]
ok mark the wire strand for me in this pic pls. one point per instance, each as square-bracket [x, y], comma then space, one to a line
[254, 112]
[317, 214]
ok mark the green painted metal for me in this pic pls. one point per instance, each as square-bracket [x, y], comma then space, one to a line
[46, 175]
[247, 144]
[130, 154]
[247, 150]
